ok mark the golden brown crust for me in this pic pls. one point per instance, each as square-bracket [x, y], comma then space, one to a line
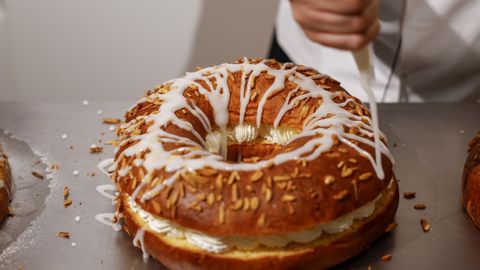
[5, 184]
[222, 203]
[332, 250]
[471, 181]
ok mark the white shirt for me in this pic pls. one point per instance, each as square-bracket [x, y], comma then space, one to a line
[427, 51]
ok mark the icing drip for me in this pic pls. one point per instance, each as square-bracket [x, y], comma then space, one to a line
[324, 123]
[138, 241]
[106, 166]
[221, 244]
[107, 219]
[107, 191]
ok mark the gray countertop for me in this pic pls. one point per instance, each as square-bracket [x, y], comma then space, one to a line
[430, 139]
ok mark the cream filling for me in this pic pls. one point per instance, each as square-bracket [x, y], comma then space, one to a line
[245, 133]
[222, 244]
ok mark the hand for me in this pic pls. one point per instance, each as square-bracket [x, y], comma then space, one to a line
[342, 24]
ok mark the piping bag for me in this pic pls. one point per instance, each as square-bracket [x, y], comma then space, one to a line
[367, 78]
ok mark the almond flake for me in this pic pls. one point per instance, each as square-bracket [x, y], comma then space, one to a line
[328, 180]
[257, 175]
[365, 176]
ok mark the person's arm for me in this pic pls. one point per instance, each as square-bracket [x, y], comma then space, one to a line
[342, 24]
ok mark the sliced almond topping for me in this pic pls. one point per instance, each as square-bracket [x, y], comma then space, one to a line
[328, 180]
[365, 176]
[254, 203]
[281, 178]
[305, 175]
[340, 195]
[233, 177]
[261, 220]
[234, 193]
[246, 204]
[208, 172]
[346, 172]
[304, 163]
[268, 194]
[210, 198]
[221, 214]
[237, 205]
[288, 198]
[219, 182]
[198, 179]
[257, 175]
[340, 164]
[425, 225]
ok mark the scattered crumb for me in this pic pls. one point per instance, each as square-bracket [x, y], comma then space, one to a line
[67, 202]
[387, 258]
[77, 218]
[391, 227]
[71, 147]
[38, 175]
[92, 174]
[66, 192]
[65, 235]
[99, 111]
[420, 206]
[409, 195]
[76, 173]
[64, 136]
[36, 162]
[85, 102]
[425, 225]
[54, 166]
[74, 244]
[95, 149]
[462, 131]
[395, 144]
[111, 128]
[110, 120]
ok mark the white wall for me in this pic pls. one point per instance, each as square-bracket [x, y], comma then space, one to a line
[115, 49]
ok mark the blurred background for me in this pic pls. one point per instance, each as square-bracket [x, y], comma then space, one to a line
[63, 50]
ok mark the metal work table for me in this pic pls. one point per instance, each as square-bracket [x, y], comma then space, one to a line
[428, 141]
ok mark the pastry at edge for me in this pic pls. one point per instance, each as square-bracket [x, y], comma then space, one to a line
[471, 181]
[5, 184]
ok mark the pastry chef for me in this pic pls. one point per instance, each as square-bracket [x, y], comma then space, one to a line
[423, 50]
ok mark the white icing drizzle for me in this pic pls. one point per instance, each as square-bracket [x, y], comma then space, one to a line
[328, 119]
[107, 219]
[362, 59]
[107, 191]
[138, 241]
[222, 244]
[106, 166]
